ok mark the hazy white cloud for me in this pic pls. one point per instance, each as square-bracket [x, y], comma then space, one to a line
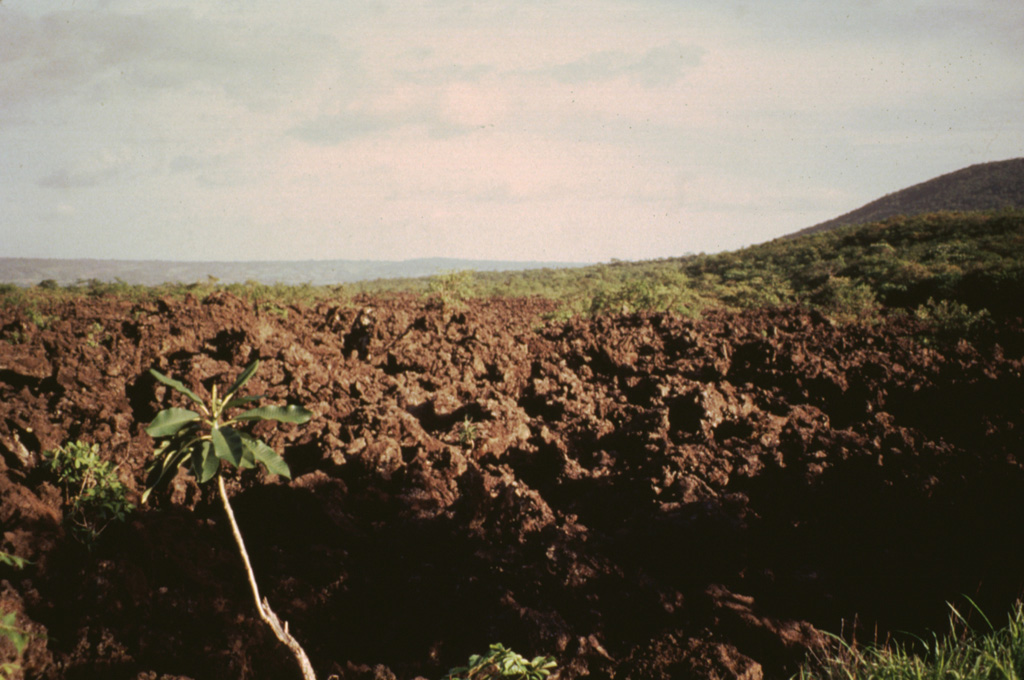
[662, 65]
[531, 130]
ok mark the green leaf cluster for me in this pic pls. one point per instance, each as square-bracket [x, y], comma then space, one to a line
[9, 628]
[94, 496]
[19, 639]
[468, 432]
[13, 560]
[500, 662]
[451, 289]
[951, 320]
[202, 438]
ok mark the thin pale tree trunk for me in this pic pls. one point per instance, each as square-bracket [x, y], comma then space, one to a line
[279, 627]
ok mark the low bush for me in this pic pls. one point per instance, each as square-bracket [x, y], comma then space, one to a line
[451, 289]
[18, 637]
[500, 662]
[951, 319]
[846, 300]
[93, 495]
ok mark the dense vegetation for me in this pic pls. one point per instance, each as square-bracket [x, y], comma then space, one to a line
[973, 261]
[964, 265]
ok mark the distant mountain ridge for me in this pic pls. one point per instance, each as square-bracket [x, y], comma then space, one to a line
[30, 271]
[985, 186]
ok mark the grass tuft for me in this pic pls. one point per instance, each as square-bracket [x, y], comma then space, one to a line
[961, 654]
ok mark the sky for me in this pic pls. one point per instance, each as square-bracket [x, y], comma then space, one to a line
[547, 130]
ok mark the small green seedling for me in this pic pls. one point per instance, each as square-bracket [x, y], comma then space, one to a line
[9, 628]
[468, 432]
[500, 662]
[202, 440]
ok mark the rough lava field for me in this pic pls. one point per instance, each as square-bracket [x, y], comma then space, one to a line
[643, 496]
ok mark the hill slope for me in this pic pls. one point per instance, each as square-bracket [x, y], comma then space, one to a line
[970, 258]
[986, 186]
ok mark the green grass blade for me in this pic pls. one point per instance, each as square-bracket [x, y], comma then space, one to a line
[980, 613]
[284, 414]
[170, 421]
[179, 386]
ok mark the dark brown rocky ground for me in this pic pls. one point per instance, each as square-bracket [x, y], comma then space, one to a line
[645, 496]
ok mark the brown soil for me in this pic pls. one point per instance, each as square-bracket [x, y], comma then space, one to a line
[646, 496]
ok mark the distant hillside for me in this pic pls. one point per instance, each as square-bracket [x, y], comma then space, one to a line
[987, 186]
[963, 258]
[29, 271]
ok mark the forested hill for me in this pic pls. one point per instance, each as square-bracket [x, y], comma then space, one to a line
[987, 186]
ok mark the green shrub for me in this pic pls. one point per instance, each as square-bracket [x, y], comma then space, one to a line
[42, 321]
[451, 289]
[757, 292]
[500, 662]
[18, 638]
[950, 318]
[637, 295]
[846, 300]
[94, 496]
[96, 334]
[9, 628]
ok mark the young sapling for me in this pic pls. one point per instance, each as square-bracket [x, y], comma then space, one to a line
[202, 440]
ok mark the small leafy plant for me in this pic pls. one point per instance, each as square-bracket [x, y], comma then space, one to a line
[13, 560]
[202, 440]
[468, 432]
[9, 628]
[42, 321]
[19, 639]
[94, 496]
[96, 334]
[451, 289]
[500, 662]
